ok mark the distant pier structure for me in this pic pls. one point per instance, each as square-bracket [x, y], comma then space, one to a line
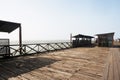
[119, 40]
[82, 40]
[105, 39]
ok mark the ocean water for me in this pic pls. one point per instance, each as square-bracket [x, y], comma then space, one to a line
[14, 46]
[38, 41]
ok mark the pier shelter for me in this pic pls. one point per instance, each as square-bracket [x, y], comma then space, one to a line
[105, 40]
[82, 40]
[119, 40]
[8, 27]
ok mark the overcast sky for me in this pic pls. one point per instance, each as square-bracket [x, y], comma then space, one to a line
[56, 19]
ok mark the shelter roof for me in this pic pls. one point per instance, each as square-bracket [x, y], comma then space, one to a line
[104, 34]
[82, 36]
[6, 26]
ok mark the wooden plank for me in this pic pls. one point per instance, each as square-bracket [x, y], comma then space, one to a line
[13, 68]
[31, 49]
[52, 47]
[17, 78]
[6, 74]
[115, 67]
[15, 71]
[64, 45]
[68, 44]
[43, 47]
[29, 76]
[1, 78]
[110, 73]
[106, 71]
[118, 62]
[59, 46]
[40, 75]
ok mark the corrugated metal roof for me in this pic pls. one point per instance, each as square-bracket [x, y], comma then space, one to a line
[6, 26]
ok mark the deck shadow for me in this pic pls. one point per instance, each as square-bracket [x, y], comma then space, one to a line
[116, 46]
[16, 67]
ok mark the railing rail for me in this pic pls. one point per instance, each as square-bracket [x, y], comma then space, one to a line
[14, 50]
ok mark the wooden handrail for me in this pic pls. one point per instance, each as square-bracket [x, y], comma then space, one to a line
[36, 48]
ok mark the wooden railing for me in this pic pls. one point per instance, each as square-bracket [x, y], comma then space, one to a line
[14, 50]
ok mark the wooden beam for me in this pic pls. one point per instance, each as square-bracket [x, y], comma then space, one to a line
[20, 39]
[43, 47]
[52, 46]
[71, 38]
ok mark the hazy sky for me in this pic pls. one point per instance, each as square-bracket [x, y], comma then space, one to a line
[56, 19]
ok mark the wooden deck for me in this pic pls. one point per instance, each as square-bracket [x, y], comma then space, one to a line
[112, 71]
[71, 64]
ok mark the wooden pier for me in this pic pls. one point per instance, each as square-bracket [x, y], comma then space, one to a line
[69, 64]
[112, 71]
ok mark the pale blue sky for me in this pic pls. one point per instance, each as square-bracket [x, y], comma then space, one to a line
[56, 19]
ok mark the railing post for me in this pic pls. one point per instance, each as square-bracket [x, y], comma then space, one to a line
[20, 39]
[8, 50]
[48, 47]
[24, 48]
[38, 47]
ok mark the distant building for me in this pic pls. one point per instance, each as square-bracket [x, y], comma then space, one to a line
[119, 39]
[82, 40]
[105, 40]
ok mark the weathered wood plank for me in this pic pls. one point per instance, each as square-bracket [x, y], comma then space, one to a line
[106, 70]
[13, 68]
[112, 71]
[115, 66]
[52, 46]
[72, 64]
[40, 75]
[6, 74]
[59, 46]
[118, 62]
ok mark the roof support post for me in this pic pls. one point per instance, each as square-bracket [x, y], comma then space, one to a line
[20, 39]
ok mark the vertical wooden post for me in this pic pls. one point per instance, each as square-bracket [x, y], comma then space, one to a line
[20, 39]
[98, 41]
[71, 38]
[112, 40]
[38, 47]
[71, 42]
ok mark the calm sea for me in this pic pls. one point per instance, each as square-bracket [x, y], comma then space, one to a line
[38, 41]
